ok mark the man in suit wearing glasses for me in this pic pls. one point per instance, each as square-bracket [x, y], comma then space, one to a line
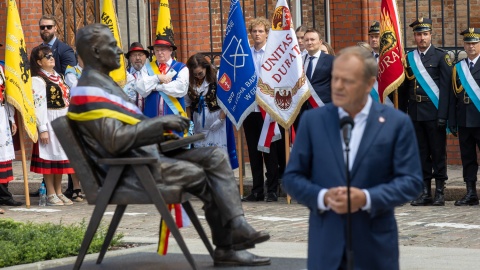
[63, 54]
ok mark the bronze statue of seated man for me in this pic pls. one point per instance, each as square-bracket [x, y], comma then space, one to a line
[110, 126]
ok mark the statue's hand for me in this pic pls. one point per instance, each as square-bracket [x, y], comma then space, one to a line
[170, 136]
[174, 122]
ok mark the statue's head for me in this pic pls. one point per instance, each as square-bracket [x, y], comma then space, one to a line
[98, 48]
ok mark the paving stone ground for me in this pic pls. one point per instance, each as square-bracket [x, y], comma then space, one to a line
[430, 227]
[448, 226]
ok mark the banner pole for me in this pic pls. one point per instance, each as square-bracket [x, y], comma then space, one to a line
[395, 98]
[287, 154]
[21, 135]
[240, 160]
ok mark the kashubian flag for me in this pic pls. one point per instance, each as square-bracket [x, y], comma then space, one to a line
[390, 63]
[18, 80]
[164, 22]
[109, 18]
[164, 26]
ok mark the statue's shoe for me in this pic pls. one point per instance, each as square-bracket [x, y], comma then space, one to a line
[241, 242]
[230, 257]
[245, 236]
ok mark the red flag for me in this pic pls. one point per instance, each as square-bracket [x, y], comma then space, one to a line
[390, 63]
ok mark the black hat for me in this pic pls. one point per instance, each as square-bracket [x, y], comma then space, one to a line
[137, 47]
[374, 28]
[471, 35]
[163, 41]
[422, 25]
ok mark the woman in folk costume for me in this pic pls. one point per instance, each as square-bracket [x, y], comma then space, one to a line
[201, 98]
[7, 153]
[51, 97]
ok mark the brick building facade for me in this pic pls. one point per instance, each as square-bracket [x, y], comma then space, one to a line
[199, 24]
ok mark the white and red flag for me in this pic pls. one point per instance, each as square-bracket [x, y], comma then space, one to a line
[282, 87]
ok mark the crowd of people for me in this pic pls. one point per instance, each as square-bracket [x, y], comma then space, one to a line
[437, 97]
[165, 86]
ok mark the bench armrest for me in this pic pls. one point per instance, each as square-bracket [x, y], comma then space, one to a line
[127, 161]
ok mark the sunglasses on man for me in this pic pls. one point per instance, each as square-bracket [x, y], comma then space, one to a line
[49, 27]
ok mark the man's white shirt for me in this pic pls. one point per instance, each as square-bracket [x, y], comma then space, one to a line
[145, 83]
[306, 60]
[360, 121]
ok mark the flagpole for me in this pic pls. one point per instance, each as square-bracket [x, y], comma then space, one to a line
[395, 98]
[287, 154]
[240, 161]
[24, 161]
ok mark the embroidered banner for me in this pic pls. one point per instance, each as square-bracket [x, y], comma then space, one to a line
[237, 80]
[282, 86]
[390, 64]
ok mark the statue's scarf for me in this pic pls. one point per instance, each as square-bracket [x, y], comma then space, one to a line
[92, 103]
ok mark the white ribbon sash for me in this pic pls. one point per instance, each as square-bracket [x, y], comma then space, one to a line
[423, 78]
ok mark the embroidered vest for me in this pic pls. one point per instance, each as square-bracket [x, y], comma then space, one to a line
[54, 94]
[210, 98]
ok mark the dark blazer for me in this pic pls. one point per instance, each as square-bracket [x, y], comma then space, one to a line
[435, 62]
[322, 75]
[387, 164]
[464, 112]
[64, 56]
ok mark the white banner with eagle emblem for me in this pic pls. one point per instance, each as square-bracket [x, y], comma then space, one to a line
[282, 87]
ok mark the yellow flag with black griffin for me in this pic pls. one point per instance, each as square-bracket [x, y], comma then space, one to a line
[18, 80]
[164, 27]
[164, 22]
[109, 18]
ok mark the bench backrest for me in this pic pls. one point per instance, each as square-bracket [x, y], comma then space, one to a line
[65, 131]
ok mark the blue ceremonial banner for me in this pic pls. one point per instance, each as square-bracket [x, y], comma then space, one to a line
[237, 81]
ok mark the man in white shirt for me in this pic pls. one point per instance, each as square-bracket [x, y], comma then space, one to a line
[166, 82]
[252, 125]
[300, 33]
[137, 57]
[384, 169]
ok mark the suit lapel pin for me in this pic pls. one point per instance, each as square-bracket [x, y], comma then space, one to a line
[381, 119]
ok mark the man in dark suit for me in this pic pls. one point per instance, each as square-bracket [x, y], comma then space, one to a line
[63, 54]
[318, 68]
[317, 65]
[425, 95]
[465, 105]
[384, 168]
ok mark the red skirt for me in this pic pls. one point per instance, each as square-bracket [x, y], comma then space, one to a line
[6, 172]
[42, 166]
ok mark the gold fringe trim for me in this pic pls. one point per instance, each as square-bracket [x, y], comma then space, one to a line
[276, 117]
[394, 85]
